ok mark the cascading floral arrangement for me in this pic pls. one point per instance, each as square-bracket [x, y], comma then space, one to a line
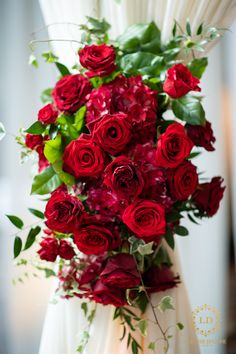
[115, 141]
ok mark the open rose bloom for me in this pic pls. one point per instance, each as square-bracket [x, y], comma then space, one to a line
[119, 174]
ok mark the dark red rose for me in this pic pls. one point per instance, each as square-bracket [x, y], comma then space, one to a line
[183, 180]
[64, 212]
[66, 250]
[32, 141]
[208, 196]
[96, 239]
[108, 295]
[201, 136]
[83, 158]
[160, 279]
[121, 272]
[124, 178]
[112, 132]
[180, 81]
[49, 249]
[98, 104]
[99, 59]
[70, 93]
[173, 146]
[91, 271]
[146, 219]
[47, 114]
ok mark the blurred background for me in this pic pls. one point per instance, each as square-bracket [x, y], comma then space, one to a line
[208, 263]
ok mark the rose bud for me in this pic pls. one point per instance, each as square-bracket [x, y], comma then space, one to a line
[121, 272]
[108, 295]
[47, 114]
[208, 196]
[159, 279]
[99, 59]
[70, 93]
[201, 136]
[180, 81]
[32, 141]
[49, 249]
[66, 250]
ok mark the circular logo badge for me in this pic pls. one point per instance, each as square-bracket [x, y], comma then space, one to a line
[206, 320]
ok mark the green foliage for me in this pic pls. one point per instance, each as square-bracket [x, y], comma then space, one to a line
[179, 326]
[15, 221]
[146, 249]
[53, 149]
[198, 66]
[189, 109]
[46, 182]
[46, 96]
[62, 69]
[33, 61]
[34, 231]
[181, 230]
[142, 63]
[2, 131]
[17, 246]
[49, 57]
[36, 128]
[166, 303]
[36, 213]
[63, 176]
[142, 326]
[79, 119]
[170, 238]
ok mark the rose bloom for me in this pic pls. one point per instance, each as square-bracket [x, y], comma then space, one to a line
[70, 93]
[47, 114]
[64, 212]
[66, 250]
[180, 81]
[201, 136]
[121, 272]
[208, 196]
[49, 249]
[146, 219]
[159, 279]
[124, 178]
[112, 132]
[183, 180]
[173, 146]
[105, 295]
[99, 59]
[83, 158]
[32, 141]
[96, 239]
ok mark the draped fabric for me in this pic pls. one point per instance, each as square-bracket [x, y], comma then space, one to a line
[64, 321]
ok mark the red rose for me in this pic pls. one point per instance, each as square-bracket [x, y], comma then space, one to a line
[47, 114]
[32, 141]
[108, 296]
[121, 272]
[180, 81]
[63, 212]
[201, 136]
[146, 219]
[183, 180]
[173, 146]
[98, 59]
[96, 239]
[208, 196]
[124, 178]
[159, 279]
[70, 93]
[112, 132]
[83, 158]
[49, 249]
[66, 250]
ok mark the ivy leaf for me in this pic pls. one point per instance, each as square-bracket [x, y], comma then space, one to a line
[142, 325]
[189, 109]
[49, 57]
[166, 303]
[33, 61]
[48, 272]
[17, 246]
[2, 131]
[100, 26]
[62, 69]
[63, 176]
[135, 243]
[145, 249]
[52, 149]
[151, 346]
[180, 326]
[34, 231]
[36, 128]
[46, 182]
[15, 221]
[181, 230]
[170, 238]
[198, 66]
[46, 96]
[36, 213]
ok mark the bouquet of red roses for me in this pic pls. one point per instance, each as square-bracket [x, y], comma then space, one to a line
[117, 165]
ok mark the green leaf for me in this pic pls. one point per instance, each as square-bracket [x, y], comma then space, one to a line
[135, 243]
[34, 231]
[46, 96]
[188, 28]
[189, 109]
[142, 325]
[166, 303]
[151, 346]
[170, 238]
[64, 177]
[53, 149]
[2, 131]
[174, 29]
[33, 61]
[180, 326]
[199, 30]
[36, 128]
[17, 246]
[36, 213]
[49, 57]
[62, 69]
[181, 230]
[142, 301]
[134, 347]
[46, 182]
[15, 221]
[194, 154]
[100, 25]
[79, 118]
[84, 307]
[145, 249]
[48, 272]
[142, 63]
[198, 66]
